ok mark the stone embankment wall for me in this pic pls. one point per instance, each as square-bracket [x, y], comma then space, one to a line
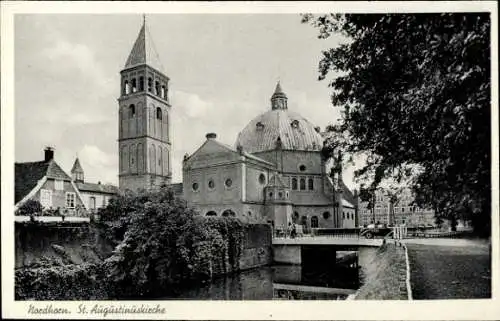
[59, 244]
[60, 263]
[257, 246]
[386, 276]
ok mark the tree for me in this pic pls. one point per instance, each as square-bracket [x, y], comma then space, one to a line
[163, 243]
[415, 97]
[30, 207]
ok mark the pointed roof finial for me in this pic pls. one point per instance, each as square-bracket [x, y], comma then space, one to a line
[279, 99]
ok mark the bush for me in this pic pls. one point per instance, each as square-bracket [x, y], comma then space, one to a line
[30, 207]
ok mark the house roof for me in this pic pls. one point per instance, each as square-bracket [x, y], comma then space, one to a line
[28, 174]
[97, 188]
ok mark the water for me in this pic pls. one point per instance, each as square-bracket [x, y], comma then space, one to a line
[285, 282]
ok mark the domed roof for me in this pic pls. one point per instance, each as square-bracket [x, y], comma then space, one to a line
[279, 127]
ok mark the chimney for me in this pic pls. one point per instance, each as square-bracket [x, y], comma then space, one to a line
[211, 136]
[49, 153]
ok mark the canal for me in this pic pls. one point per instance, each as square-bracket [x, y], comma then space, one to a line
[311, 281]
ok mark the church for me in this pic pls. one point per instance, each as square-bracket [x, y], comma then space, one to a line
[274, 173]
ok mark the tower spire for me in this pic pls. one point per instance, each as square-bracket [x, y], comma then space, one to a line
[144, 52]
[279, 98]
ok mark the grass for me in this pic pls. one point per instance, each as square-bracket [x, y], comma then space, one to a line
[386, 276]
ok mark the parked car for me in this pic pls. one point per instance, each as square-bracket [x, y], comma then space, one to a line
[371, 232]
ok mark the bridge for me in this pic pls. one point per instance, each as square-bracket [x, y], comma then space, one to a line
[302, 249]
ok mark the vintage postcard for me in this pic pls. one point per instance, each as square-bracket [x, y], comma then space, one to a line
[250, 160]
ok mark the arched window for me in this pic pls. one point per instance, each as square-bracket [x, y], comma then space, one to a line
[141, 83]
[303, 221]
[126, 88]
[211, 213]
[228, 213]
[150, 84]
[262, 179]
[314, 222]
[134, 85]
[131, 111]
[294, 184]
[160, 158]
[343, 215]
[158, 113]
[157, 88]
[163, 92]
[310, 183]
[326, 215]
[302, 184]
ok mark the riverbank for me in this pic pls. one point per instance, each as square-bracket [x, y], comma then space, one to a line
[386, 276]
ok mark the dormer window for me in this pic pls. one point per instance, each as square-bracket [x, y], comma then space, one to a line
[260, 126]
[295, 123]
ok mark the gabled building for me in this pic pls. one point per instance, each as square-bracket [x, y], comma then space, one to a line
[46, 182]
[94, 196]
[275, 174]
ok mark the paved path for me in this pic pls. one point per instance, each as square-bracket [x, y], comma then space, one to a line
[449, 269]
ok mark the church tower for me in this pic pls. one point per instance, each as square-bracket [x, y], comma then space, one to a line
[144, 118]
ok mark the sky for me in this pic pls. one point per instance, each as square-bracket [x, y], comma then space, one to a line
[223, 69]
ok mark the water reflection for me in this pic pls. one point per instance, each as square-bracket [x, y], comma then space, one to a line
[285, 282]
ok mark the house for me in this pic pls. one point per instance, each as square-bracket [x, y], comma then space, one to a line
[94, 196]
[46, 182]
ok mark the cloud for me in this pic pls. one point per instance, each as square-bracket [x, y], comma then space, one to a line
[77, 56]
[98, 165]
[190, 105]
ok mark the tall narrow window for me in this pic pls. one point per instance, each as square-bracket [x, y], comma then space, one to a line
[158, 113]
[131, 111]
[46, 197]
[134, 85]
[150, 84]
[92, 202]
[126, 88]
[310, 183]
[157, 88]
[302, 184]
[314, 222]
[70, 200]
[294, 184]
[163, 92]
[141, 83]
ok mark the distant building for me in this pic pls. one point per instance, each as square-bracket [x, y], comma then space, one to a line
[405, 213]
[46, 182]
[93, 195]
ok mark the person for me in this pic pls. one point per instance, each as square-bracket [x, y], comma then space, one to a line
[293, 232]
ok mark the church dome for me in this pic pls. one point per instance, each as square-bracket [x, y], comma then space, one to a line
[279, 127]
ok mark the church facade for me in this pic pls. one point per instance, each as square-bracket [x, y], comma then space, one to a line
[274, 173]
